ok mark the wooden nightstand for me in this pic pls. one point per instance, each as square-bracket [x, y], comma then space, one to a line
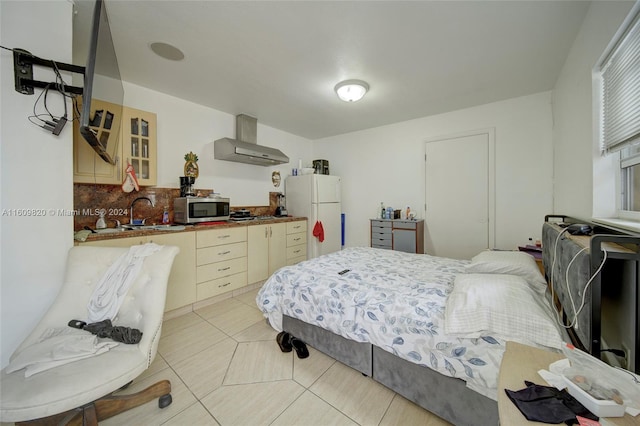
[520, 363]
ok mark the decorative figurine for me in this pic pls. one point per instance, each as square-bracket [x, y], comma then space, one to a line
[275, 178]
[130, 179]
[191, 165]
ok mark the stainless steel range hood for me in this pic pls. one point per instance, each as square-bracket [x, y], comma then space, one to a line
[245, 149]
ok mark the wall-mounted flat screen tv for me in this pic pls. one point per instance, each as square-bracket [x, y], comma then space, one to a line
[103, 93]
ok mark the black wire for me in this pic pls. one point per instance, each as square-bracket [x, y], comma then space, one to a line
[616, 352]
[60, 87]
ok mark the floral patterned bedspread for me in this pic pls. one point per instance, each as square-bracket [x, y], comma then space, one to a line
[391, 299]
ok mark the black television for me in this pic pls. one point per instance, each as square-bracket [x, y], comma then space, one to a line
[98, 125]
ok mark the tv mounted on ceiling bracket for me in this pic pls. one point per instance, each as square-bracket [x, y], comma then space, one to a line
[101, 76]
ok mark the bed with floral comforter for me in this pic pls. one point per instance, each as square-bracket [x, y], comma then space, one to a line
[393, 300]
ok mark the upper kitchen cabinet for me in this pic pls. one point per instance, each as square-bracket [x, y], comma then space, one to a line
[88, 167]
[136, 145]
[140, 144]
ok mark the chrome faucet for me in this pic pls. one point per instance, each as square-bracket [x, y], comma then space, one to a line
[131, 208]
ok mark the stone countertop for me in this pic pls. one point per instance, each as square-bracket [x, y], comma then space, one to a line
[189, 228]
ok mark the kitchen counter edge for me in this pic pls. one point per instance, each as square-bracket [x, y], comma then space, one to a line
[188, 228]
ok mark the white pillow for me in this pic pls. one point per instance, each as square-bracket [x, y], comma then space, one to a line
[502, 306]
[508, 262]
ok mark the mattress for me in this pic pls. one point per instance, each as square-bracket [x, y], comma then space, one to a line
[393, 300]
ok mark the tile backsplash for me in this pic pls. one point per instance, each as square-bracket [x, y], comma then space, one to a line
[89, 198]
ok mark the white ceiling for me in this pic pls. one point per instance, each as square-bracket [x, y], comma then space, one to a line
[279, 60]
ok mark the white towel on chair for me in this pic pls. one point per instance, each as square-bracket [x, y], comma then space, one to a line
[109, 293]
[57, 346]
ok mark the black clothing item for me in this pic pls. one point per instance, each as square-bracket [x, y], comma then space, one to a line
[548, 405]
[105, 329]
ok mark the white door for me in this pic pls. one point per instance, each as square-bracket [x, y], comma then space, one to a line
[459, 195]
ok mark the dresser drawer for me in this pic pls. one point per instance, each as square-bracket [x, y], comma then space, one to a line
[221, 285]
[381, 246]
[381, 242]
[220, 253]
[380, 223]
[296, 239]
[216, 237]
[405, 224]
[380, 230]
[382, 237]
[217, 270]
[295, 227]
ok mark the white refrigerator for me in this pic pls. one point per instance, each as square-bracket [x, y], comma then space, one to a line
[317, 197]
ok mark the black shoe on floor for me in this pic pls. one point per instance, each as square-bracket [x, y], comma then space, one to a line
[284, 341]
[300, 347]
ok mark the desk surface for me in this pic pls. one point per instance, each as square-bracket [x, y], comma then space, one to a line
[520, 363]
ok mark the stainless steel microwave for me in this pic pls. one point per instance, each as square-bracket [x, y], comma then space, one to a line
[200, 209]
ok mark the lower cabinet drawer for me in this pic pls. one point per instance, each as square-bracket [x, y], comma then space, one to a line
[220, 253]
[295, 260]
[217, 270]
[221, 285]
[295, 239]
[216, 237]
[297, 251]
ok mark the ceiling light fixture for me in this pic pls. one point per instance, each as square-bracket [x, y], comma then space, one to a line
[351, 90]
[167, 51]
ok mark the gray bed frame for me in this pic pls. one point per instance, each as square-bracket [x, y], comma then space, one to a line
[447, 397]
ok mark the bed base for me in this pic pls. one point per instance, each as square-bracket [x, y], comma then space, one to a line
[447, 397]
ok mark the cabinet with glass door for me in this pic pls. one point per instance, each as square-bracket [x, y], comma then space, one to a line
[136, 145]
[139, 144]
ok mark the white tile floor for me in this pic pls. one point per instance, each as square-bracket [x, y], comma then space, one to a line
[226, 368]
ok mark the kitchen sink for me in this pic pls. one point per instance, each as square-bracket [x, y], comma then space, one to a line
[169, 227]
[153, 227]
[110, 230]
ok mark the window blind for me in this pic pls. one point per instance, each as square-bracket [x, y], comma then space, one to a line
[620, 91]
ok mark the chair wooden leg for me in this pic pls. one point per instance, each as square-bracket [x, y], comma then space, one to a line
[112, 405]
[107, 406]
[89, 417]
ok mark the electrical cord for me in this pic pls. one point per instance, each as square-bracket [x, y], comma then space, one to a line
[574, 322]
[56, 123]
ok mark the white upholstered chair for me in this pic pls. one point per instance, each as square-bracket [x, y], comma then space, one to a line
[81, 390]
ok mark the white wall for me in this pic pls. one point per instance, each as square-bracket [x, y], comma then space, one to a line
[584, 181]
[386, 164]
[184, 126]
[36, 173]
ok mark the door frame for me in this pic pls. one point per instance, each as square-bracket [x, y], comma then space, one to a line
[491, 204]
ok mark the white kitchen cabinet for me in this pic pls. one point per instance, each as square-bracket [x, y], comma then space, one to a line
[221, 261]
[267, 250]
[274, 245]
[277, 246]
[257, 253]
[296, 242]
[181, 289]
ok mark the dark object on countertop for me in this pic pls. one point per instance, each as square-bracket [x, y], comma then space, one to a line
[105, 329]
[579, 229]
[548, 405]
[89, 229]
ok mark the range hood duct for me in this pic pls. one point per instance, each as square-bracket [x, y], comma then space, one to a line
[245, 148]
